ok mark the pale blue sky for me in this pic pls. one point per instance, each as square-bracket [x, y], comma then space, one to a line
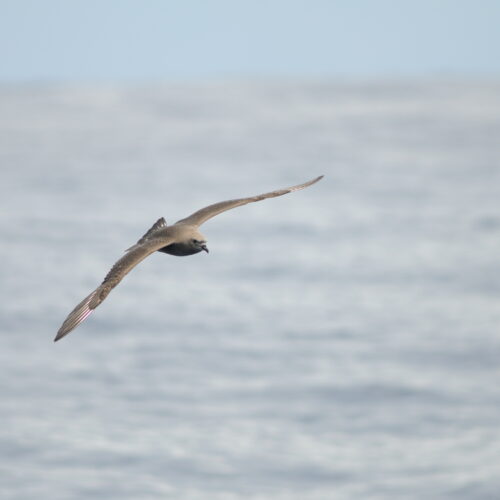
[141, 40]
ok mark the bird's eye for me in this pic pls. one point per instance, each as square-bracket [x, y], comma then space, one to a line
[195, 241]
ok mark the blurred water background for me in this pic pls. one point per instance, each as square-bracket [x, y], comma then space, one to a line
[340, 342]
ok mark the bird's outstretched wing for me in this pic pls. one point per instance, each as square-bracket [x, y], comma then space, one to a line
[122, 267]
[201, 216]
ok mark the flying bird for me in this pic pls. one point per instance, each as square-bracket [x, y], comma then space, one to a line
[182, 238]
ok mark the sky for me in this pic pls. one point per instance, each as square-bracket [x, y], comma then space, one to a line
[149, 40]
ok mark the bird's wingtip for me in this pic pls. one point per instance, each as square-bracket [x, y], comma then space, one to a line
[60, 335]
[76, 316]
[313, 181]
[310, 183]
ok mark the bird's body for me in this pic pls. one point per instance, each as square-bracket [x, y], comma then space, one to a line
[187, 239]
[179, 250]
[180, 239]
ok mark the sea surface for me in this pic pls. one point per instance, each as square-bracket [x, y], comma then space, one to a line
[340, 342]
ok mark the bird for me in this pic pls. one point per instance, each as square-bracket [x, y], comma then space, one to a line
[180, 239]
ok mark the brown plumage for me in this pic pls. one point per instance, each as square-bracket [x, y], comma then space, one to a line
[183, 238]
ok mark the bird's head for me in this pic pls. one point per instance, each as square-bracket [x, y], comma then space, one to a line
[198, 242]
[199, 245]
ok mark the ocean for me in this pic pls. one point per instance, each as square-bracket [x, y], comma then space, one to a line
[340, 342]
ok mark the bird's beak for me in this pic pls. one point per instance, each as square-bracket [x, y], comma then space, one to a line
[204, 247]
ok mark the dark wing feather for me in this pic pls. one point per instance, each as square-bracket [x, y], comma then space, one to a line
[201, 216]
[122, 267]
